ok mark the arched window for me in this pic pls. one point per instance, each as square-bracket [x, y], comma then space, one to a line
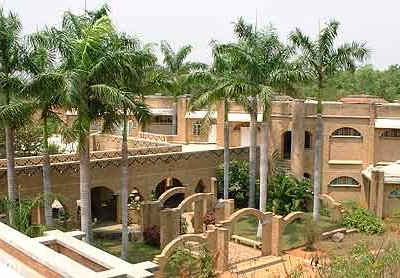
[391, 133]
[344, 180]
[307, 140]
[307, 176]
[346, 131]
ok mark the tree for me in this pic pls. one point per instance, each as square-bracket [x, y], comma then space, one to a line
[322, 59]
[13, 110]
[47, 87]
[131, 83]
[176, 68]
[88, 64]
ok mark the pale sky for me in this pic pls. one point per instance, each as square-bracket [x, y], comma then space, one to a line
[198, 22]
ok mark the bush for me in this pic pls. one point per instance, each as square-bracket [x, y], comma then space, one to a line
[238, 182]
[183, 263]
[363, 220]
[287, 194]
[209, 218]
[151, 236]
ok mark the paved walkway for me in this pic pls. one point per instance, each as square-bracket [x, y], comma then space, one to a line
[239, 253]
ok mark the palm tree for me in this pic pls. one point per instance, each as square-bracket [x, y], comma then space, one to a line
[13, 110]
[131, 83]
[89, 64]
[322, 59]
[47, 87]
[176, 69]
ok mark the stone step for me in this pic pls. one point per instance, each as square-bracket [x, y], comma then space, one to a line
[255, 264]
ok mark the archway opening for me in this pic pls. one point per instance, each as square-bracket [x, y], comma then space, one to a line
[287, 145]
[59, 212]
[104, 204]
[163, 186]
[244, 244]
[200, 188]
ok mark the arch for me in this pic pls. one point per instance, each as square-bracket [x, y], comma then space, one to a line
[164, 185]
[328, 200]
[344, 180]
[176, 183]
[59, 210]
[346, 132]
[194, 198]
[169, 193]
[171, 246]
[103, 204]
[287, 145]
[307, 140]
[265, 218]
[294, 216]
[200, 188]
[391, 133]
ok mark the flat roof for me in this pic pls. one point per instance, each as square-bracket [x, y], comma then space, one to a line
[387, 123]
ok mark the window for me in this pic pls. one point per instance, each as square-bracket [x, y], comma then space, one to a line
[307, 176]
[162, 120]
[287, 145]
[346, 131]
[307, 140]
[344, 181]
[391, 133]
[196, 128]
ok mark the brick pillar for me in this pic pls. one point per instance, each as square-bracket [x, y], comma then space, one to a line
[266, 236]
[276, 235]
[220, 211]
[181, 110]
[199, 213]
[297, 150]
[222, 248]
[214, 187]
[169, 226]
[373, 190]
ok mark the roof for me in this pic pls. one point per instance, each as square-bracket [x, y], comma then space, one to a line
[242, 117]
[199, 115]
[387, 123]
[161, 111]
[391, 172]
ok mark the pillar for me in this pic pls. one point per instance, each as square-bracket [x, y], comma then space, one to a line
[379, 176]
[220, 211]
[297, 150]
[199, 213]
[373, 190]
[169, 226]
[276, 235]
[266, 235]
[222, 247]
[214, 187]
[181, 110]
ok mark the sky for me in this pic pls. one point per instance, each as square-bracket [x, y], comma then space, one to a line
[182, 22]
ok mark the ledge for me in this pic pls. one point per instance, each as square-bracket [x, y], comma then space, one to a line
[345, 162]
[345, 185]
[346, 137]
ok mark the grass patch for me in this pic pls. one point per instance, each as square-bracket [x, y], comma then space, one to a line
[137, 251]
[293, 235]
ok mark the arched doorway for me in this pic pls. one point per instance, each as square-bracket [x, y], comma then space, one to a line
[104, 204]
[200, 188]
[287, 145]
[163, 186]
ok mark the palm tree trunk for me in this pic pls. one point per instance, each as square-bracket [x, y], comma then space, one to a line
[263, 167]
[226, 150]
[124, 189]
[174, 117]
[12, 190]
[318, 155]
[48, 214]
[86, 217]
[253, 152]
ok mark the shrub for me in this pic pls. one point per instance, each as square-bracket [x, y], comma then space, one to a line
[363, 220]
[183, 263]
[151, 236]
[287, 194]
[209, 218]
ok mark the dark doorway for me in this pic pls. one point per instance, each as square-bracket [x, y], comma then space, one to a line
[174, 201]
[200, 188]
[307, 140]
[104, 204]
[287, 145]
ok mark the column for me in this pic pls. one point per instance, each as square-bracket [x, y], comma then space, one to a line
[222, 247]
[169, 226]
[379, 198]
[181, 110]
[373, 190]
[297, 150]
[266, 237]
[199, 213]
[276, 235]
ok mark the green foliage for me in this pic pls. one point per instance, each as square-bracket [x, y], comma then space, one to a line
[183, 263]
[239, 181]
[361, 262]
[287, 194]
[363, 220]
